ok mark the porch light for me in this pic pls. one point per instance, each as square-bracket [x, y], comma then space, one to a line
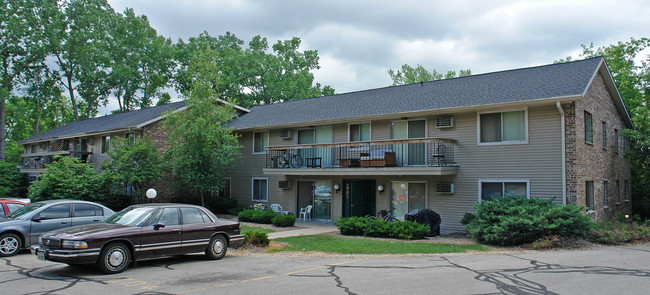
[403, 186]
[337, 188]
[380, 188]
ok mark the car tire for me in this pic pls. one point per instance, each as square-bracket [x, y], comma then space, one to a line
[217, 247]
[10, 244]
[114, 258]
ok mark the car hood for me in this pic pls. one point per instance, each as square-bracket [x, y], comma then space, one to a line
[88, 230]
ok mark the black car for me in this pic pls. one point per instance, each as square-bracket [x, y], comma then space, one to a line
[141, 232]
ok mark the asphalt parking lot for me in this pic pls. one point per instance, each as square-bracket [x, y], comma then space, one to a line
[601, 270]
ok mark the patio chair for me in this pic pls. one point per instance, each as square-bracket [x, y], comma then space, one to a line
[278, 208]
[304, 212]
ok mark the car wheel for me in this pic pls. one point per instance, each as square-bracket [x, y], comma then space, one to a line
[114, 258]
[10, 244]
[217, 247]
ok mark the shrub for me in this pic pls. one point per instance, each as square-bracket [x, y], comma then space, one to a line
[284, 220]
[361, 226]
[246, 215]
[257, 216]
[516, 220]
[256, 238]
[616, 233]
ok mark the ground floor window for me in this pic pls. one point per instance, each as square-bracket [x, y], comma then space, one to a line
[260, 189]
[589, 195]
[407, 196]
[491, 189]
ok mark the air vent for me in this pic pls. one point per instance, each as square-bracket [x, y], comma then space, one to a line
[445, 122]
[445, 188]
[284, 184]
[286, 134]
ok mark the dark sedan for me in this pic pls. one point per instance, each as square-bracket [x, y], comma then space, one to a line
[141, 232]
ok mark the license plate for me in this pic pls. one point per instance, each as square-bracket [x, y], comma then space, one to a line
[40, 255]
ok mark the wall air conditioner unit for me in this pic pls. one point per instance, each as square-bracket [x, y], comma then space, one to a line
[284, 184]
[446, 188]
[445, 122]
[286, 134]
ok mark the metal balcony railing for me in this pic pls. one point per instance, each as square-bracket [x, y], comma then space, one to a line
[431, 152]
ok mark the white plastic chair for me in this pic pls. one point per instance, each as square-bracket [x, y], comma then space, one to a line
[304, 212]
[277, 208]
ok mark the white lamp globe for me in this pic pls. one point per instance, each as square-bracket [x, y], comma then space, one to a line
[151, 193]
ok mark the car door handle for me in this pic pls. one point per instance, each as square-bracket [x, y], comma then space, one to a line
[175, 230]
[96, 219]
[64, 222]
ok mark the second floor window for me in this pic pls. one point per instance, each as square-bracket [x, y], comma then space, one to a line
[260, 142]
[503, 127]
[33, 148]
[616, 140]
[106, 144]
[589, 128]
[360, 132]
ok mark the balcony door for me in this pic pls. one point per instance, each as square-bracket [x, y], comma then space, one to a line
[319, 194]
[319, 135]
[412, 154]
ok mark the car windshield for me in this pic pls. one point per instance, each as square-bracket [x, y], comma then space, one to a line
[132, 216]
[26, 209]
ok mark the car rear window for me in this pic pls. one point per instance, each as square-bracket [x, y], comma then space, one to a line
[81, 210]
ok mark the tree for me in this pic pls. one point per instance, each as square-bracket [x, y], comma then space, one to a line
[201, 148]
[632, 77]
[67, 178]
[23, 30]
[409, 75]
[253, 76]
[10, 180]
[135, 163]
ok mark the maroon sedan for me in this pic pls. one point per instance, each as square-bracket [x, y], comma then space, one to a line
[141, 232]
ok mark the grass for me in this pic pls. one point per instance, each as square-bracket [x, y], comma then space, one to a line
[246, 228]
[350, 245]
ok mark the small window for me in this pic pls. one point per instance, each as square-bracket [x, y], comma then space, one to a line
[589, 195]
[33, 148]
[589, 128]
[206, 218]
[489, 190]
[503, 127]
[604, 135]
[260, 189]
[56, 211]
[605, 194]
[260, 142]
[81, 210]
[360, 132]
[106, 144]
[191, 216]
[616, 140]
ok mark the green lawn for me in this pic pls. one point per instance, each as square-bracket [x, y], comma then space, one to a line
[246, 228]
[351, 245]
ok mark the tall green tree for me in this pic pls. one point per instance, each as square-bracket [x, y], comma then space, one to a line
[202, 150]
[631, 72]
[409, 74]
[81, 51]
[24, 26]
[134, 162]
[254, 75]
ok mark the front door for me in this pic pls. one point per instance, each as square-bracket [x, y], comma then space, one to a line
[358, 198]
[319, 195]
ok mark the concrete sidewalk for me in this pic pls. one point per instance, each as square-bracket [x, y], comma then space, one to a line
[301, 229]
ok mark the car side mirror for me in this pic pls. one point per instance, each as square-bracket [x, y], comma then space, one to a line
[37, 218]
[158, 226]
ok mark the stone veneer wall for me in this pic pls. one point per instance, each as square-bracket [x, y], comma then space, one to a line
[591, 162]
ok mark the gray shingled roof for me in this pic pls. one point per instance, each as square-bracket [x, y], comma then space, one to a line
[108, 122]
[542, 82]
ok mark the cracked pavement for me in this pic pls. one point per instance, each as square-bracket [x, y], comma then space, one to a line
[602, 270]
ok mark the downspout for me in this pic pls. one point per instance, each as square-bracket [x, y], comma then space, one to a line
[559, 108]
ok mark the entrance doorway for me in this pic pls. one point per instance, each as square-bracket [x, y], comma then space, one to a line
[319, 194]
[358, 198]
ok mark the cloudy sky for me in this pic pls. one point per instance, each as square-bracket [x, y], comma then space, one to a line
[359, 41]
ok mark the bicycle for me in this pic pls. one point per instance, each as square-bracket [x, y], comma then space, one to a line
[388, 217]
[288, 159]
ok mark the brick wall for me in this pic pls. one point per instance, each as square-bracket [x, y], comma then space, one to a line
[159, 137]
[592, 162]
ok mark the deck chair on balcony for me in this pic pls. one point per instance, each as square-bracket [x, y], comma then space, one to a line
[304, 212]
[438, 158]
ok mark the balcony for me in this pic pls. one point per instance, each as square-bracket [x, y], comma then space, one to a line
[38, 161]
[424, 156]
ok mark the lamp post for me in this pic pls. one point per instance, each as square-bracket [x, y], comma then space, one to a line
[151, 193]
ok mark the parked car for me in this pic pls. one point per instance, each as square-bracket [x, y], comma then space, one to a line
[141, 232]
[25, 201]
[8, 206]
[21, 228]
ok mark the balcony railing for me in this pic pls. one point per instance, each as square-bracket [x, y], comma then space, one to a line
[431, 152]
[41, 161]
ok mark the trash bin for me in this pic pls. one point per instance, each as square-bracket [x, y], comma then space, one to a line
[428, 217]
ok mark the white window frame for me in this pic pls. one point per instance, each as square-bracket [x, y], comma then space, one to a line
[253, 189]
[350, 131]
[481, 181]
[478, 127]
[104, 150]
[264, 147]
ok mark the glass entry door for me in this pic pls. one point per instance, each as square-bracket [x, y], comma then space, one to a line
[412, 153]
[319, 195]
[407, 196]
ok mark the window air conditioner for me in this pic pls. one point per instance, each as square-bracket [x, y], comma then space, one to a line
[445, 122]
[285, 134]
[284, 184]
[445, 188]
